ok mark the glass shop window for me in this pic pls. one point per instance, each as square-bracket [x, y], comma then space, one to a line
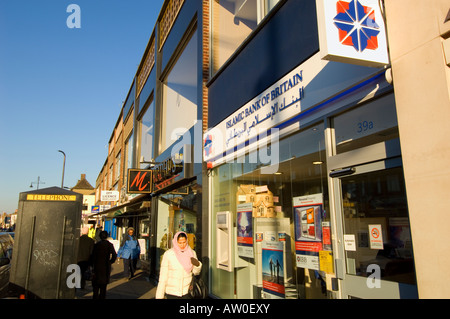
[146, 137]
[369, 124]
[179, 112]
[145, 233]
[117, 166]
[177, 211]
[128, 155]
[286, 211]
[232, 22]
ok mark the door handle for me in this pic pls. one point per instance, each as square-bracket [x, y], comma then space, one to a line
[342, 172]
[339, 268]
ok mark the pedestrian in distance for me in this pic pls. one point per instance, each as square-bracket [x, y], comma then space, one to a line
[92, 232]
[178, 265]
[85, 249]
[97, 233]
[129, 251]
[103, 256]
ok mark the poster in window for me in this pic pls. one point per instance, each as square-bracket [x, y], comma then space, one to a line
[308, 230]
[245, 230]
[273, 269]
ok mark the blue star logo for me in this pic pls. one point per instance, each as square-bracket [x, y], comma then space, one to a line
[208, 144]
[357, 26]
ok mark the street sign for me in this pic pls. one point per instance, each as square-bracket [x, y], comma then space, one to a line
[352, 31]
[109, 196]
[140, 181]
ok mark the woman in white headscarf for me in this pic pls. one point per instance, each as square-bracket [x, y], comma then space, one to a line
[177, 267]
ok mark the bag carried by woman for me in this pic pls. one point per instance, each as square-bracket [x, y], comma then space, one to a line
[197, 288]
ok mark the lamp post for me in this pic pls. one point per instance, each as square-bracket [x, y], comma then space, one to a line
[38, 182]
[64, 167]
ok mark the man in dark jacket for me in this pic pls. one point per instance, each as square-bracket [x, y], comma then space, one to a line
[103, 256]
[85, 248]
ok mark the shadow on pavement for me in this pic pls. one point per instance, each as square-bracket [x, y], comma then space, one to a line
[119, 287]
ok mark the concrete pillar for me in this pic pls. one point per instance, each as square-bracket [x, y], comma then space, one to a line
[417, 30]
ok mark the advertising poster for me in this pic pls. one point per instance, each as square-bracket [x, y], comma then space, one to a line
[308, 230]
[273, 269]
[245, 230]
[326, 261]
[326, 235]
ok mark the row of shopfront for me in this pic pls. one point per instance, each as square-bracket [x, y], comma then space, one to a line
[296, 189]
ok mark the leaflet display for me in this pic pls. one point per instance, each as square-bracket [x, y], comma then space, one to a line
[308, 230]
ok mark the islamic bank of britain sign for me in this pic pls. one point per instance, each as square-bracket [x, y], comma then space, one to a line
[352, 31]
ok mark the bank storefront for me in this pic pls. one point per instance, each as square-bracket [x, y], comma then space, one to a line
[307, 195]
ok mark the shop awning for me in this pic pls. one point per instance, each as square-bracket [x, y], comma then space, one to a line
[121, 209]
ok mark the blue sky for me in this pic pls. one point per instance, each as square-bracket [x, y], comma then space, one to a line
[62, 88]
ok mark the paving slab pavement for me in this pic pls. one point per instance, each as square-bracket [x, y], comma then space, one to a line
[119, 287]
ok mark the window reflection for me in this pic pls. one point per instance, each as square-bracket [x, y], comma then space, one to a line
[378, 198]
[147, 132]
[128, 158]
[233, 21]
[180, 96]
[369, 124]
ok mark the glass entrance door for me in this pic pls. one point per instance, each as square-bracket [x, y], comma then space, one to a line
[374, 254]
[377, 255]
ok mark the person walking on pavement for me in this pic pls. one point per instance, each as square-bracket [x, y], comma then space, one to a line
[103, 256]
[85, 248]
[92, 232]
[177, 267]
[129, 251]
[97, 233]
